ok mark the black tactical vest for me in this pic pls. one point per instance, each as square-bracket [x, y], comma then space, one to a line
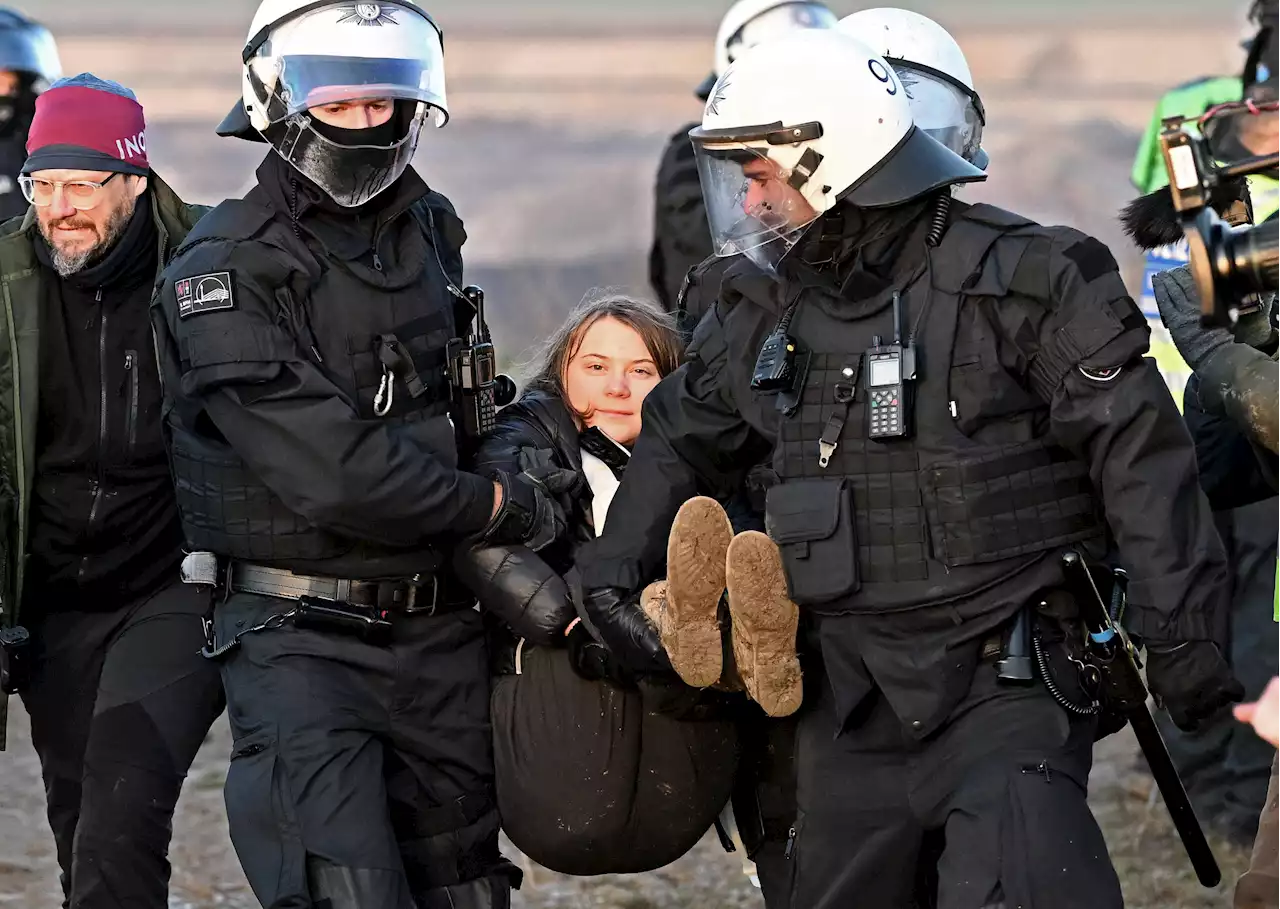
[382, 346]
[936, 517]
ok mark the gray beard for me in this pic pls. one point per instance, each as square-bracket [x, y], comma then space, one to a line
[66, 266]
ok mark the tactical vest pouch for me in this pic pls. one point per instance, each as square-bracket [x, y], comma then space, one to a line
[812, 523]
[1007, 502]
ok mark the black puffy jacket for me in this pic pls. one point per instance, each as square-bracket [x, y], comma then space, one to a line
[530, 592]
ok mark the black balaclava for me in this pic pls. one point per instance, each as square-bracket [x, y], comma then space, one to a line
[857, 249]
[348, 163]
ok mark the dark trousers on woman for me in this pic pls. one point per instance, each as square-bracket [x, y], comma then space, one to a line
[595, 778]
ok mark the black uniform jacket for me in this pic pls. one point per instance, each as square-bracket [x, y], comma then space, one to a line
[274, 321]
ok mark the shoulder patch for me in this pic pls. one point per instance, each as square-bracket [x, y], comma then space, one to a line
[205, 293]
[1092, 258]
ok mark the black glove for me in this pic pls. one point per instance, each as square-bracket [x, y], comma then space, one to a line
[592, 661]
[625, 629]
[1191, 680]
[529, 513]
[1179, 303]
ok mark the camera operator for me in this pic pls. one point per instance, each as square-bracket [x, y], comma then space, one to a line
[1231, 400]
[1224, 766]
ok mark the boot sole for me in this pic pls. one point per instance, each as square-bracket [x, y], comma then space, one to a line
[765, 622]
[696, 551]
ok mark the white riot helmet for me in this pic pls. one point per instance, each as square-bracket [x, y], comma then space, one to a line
[800, 123]
[748, 22]
[301, 55]
[934, 72]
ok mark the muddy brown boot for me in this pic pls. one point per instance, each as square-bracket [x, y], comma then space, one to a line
[1260, 886]
[696, 551]
[764, 624]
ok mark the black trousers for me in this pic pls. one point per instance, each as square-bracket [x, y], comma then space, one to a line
[1003, 783]
[120, 702]
[764, 799]
[592, 779]
[362, 775]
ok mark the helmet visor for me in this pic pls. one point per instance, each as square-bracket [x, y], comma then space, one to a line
[776, 21]
[942, 109]
[352, 52]
[752, 207]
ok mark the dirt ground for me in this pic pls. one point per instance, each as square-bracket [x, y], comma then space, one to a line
[549, 158]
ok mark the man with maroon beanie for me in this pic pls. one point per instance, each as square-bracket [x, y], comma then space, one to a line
[109, 666]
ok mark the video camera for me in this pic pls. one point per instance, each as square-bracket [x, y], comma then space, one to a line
[1228, 263]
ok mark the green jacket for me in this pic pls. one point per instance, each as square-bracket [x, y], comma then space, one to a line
[20, 277]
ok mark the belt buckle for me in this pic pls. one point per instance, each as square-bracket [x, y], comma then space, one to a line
[415, 602]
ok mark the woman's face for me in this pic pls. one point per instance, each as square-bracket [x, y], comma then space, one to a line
[608, 378]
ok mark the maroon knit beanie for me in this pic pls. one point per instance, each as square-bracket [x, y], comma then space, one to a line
[86, 123]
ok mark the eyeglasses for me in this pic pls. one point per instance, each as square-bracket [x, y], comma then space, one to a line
[81, 194]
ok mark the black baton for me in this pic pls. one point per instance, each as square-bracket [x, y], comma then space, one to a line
[1109, 649]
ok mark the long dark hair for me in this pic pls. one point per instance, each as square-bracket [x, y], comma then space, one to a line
[656, 328]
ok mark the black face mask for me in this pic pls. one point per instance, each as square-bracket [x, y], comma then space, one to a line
[382, 135]
[351, 166]
[16, 114]
[868, 237]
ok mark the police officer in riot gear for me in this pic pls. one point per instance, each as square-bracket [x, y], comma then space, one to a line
[28, 65]
[680, 238]
[949, 396]
[303, 334]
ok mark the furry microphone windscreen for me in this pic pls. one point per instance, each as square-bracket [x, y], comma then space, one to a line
[1151, 221]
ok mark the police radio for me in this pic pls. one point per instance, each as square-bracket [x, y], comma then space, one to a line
[890, 370]
[775, 364]
[478, 389]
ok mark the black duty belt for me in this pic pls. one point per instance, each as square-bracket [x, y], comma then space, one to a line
[425, 593]
[347, 606]
[419, 594]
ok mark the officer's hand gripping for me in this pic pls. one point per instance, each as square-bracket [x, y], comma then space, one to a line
[1191, 680]
[529, 513]
[593, 661]
[625, 629]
